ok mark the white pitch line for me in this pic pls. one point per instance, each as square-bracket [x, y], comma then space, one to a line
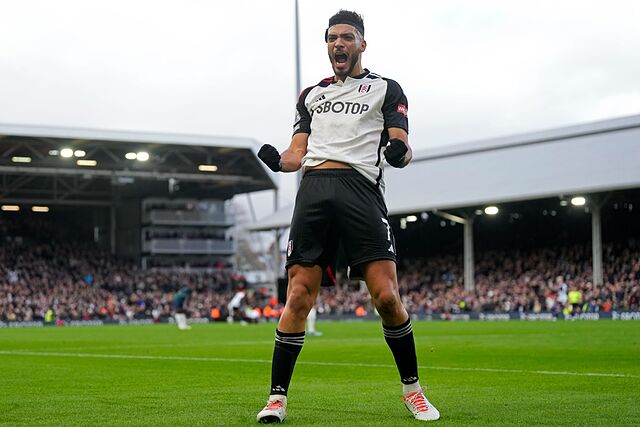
[348, 365]
[169, 345]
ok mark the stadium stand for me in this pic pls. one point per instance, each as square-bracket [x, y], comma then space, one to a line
[127, 188]
[40, 271]
[537, 256]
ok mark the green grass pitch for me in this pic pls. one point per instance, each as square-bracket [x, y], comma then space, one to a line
[477, 373]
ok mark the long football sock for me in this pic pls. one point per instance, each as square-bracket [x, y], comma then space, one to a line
[400, 341]
[311, 321]
[179, 320]
[285, 352]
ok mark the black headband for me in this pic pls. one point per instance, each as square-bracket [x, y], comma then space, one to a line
[343, 20]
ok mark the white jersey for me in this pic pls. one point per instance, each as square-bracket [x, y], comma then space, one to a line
[348, 121]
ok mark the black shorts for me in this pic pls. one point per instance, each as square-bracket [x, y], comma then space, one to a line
[178, 307]
[339, 206]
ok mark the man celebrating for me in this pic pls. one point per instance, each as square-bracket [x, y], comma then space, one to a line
[344, 125]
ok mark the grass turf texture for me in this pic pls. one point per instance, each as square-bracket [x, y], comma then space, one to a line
[478, 373]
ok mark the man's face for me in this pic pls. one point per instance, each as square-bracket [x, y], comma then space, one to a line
[344, 45]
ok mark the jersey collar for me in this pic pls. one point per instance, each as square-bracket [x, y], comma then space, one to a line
[364, 74]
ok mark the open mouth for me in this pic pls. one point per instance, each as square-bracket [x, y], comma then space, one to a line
[340, 58]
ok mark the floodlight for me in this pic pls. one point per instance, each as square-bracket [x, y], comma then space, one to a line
[79, 153]
[40, 208]
[10, 208]
[491, 210]
[207, 168]
[86, 162]
[130, 156]
[412, 218]
[53, 152]
[142, 156]
[66, 152]
[21, 159]
[578, 201]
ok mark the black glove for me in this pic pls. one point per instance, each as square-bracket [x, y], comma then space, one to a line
[395, 153]
[270, 156]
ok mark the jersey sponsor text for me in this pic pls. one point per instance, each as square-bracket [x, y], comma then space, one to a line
[341, 107]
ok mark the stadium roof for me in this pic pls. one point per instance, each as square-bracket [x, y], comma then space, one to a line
[33, 170]
[587, 158]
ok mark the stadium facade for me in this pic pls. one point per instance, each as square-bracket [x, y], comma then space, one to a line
[159, 199]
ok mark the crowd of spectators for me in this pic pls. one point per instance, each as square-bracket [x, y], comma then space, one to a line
[83, 282]
[555, 280]
[80, 281]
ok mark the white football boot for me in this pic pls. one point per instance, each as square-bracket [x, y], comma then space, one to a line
[418, 404]
[275, 410]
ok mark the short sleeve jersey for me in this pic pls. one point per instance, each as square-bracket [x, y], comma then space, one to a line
[349, 121]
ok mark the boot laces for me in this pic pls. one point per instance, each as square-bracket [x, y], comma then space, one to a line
[418, 400]
[275, 405]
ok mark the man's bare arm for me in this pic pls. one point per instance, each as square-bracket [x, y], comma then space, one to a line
[291, 158]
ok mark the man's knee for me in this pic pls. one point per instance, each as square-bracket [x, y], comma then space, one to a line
[300, 300]
[386, 300]
[304, 283]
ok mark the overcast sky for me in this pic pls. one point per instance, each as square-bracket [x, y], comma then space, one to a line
[470, 69]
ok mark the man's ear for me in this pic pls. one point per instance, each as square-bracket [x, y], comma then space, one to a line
[363, 45]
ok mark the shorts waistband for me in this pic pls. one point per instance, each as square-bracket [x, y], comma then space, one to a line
[332, 172]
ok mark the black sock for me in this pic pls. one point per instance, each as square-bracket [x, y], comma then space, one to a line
[403, 347]
[285, 353]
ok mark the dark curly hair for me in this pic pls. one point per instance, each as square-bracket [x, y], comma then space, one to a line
[346, 17]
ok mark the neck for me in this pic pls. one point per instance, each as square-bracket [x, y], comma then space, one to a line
[357, 70]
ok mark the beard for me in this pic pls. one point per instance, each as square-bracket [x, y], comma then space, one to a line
[353, 61]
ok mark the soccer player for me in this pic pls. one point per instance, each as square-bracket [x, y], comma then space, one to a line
[343, 127]
[179, 301]
[234, 305]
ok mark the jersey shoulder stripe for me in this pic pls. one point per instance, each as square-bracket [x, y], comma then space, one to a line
[302, 121]
[325, 82]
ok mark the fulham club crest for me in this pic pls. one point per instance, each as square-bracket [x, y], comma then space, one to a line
[364, 88]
